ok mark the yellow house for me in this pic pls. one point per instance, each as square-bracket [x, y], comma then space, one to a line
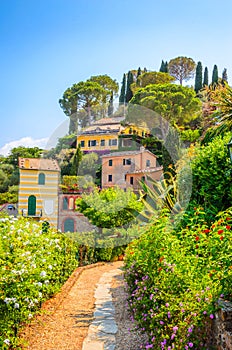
[38, 189]
[104, 134]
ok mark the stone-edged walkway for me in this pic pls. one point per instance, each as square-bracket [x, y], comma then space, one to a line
[101, 333]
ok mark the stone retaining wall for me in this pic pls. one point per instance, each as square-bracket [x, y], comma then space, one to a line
[220, 334]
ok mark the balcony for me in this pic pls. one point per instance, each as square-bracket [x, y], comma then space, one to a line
[37, 214]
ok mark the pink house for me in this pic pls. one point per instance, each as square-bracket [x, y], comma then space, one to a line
[126, 169]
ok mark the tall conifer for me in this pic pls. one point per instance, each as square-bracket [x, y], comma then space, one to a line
[166, 67]
[129, 93]
[206, 77]
[162, 67]
[139, 72]
[224, 76]
[215, 75]
[123, 90]
[198, 77]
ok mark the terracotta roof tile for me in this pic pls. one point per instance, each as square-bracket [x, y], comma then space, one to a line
[38, 164]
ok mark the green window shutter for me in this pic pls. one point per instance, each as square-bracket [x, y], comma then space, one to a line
[65, 203]
[31, 205]
[41, 180]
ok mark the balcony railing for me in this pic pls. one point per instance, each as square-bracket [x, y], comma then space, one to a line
[37, 214]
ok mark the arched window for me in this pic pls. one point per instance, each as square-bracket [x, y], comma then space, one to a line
[41, 180]
[65, 203]
[31, 205]
[69, 225]
[71, 204]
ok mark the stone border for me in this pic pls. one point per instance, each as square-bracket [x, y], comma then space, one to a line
[101, 333]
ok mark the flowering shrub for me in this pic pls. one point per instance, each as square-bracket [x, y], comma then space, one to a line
[33, 266]
[175, 278]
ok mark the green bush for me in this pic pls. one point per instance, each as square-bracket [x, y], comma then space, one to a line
[211, 171]
[174, 279]
[34, 265]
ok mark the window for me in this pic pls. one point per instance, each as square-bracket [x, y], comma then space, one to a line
[113, 142]
[31, 205]
[143, 178]
[82, 143]
[71, 204]
[102, 142]
[41, 179]
[92, 143]
[127, 143]
[110, 178]
[148, 163]
[110, 162]
[69, 225]
[126, 161]
[65, 203]
[131, 180]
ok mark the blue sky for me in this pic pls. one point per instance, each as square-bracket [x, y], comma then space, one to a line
[48, 45]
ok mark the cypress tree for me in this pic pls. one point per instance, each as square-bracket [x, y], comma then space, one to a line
[206, 77]
[166, 67]
[123, 90]
[198, 77]
[224, 76]
[215, 75]
[129, 93]
[139, 72]
[110, 106]
[145, 70]
[162, 67]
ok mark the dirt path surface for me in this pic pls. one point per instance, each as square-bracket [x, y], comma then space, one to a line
[64, 325]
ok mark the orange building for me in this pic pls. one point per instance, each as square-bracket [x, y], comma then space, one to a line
[126, 169]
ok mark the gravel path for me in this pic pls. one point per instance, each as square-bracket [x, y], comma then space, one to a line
[66, 318]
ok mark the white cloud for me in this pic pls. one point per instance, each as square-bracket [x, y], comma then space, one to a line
[24, 141]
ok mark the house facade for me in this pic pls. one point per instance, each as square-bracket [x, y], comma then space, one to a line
[109, 134]
[69, 219]
[126, 169]
[38, 189]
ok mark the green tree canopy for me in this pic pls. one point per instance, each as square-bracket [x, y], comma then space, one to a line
[110, 207]
[129, 93]
[198, 77]
[89, 164]
[175, 103]
[224, 75]
[23, 152]
[182, 68]
[110, 85]
[151, 78]
[211, 170]
[123, 90]
[206, 77]
[164, 67]
[85, 99]
[215, 75]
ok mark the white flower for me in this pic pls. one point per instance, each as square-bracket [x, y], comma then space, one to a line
[7, 341]
[31, 304]
[30, 316]
[40, 295]
[16, 305]
[43, 274]
[50, 267]
[46, 282]
[7, 300]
